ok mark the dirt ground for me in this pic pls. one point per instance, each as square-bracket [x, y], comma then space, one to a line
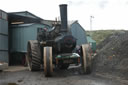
[18, 75]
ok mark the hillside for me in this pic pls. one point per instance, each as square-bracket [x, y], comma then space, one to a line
[100, 35]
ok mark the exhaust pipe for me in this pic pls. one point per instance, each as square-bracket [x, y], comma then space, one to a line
[63, 15]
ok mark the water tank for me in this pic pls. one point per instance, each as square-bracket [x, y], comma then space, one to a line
[3, 37]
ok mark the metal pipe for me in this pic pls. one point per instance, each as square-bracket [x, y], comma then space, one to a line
[63, 15]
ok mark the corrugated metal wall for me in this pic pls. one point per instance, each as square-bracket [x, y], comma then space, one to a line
[79, 33]
[19, 36]
[3, 37]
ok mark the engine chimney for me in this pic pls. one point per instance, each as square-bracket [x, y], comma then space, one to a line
[63, 15]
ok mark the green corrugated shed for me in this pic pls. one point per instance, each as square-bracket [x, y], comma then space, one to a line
[78, 32]
[22, 28]
[21, 34]
[3, 36]
[92, 43]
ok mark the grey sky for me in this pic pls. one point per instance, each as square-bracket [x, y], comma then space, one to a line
[109, 14]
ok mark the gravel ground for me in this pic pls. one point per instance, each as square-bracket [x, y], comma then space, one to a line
[71, 76]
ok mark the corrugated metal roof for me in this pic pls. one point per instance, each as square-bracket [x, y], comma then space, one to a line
[25, 14]
[27, 17]
[51, 22]
[23, 17]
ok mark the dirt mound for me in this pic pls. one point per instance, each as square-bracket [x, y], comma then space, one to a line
[113, 55]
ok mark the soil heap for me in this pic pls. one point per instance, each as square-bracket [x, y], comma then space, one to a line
[112, 56]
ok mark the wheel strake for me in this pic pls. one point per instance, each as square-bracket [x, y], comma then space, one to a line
[33, 57]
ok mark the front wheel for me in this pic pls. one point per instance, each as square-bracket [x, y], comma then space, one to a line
[86, 59]
[48, 65]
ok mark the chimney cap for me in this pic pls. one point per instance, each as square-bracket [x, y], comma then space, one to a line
[63, 5]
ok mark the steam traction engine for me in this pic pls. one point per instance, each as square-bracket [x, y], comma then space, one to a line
[54, 48]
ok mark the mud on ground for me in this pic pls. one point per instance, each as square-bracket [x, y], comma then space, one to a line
[72, 76]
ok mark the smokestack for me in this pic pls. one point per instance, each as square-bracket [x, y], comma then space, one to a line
[63, 15]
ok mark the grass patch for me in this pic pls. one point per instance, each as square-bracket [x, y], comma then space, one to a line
[100, 35]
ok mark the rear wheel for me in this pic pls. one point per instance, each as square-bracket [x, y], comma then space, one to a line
[33, 56]
[48, 66]
[86, 59]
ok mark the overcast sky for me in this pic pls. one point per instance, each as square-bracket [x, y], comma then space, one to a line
[108, 14]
